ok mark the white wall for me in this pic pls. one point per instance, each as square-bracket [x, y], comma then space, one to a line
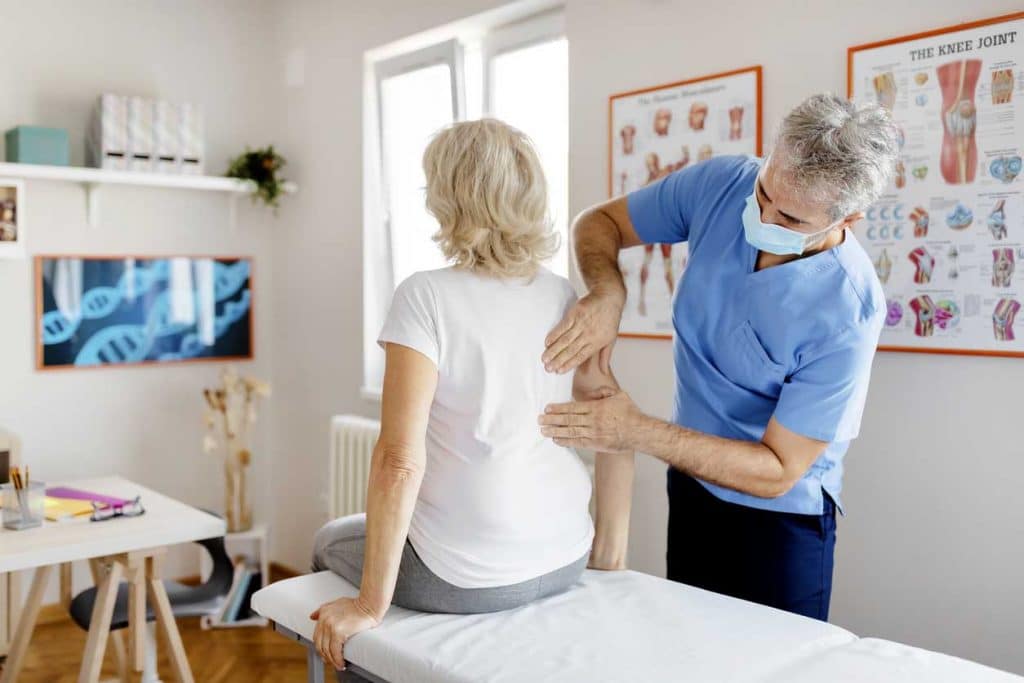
[143, 423]
[932, 549]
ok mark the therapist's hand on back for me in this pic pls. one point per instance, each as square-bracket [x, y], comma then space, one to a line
[589, 328]
[603, 424]
[336, 622]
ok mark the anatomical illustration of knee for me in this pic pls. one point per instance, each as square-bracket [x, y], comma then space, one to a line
[958, 81]
[1003, 317]
[1002, 267]
[924, 308]
[919, 218]
[1002, 86]
[883, 266]
[924, 263]
[997, 220]
[885, 89]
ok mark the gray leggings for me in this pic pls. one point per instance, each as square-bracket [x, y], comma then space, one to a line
[340, 544]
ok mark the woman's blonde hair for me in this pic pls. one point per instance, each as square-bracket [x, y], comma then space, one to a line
[486, 188]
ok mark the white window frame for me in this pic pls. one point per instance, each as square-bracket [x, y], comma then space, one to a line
[533, 30]
[378, 233]
[514, 26]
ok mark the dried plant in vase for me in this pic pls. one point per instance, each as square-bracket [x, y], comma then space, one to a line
[231, 411]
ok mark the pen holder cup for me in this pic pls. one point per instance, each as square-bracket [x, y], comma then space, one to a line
[23, 509]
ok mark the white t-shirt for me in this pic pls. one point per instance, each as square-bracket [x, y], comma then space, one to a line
[499, 503]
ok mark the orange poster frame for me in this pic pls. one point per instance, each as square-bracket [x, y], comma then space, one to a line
[850, 52]
[37, 277]
[757, 70]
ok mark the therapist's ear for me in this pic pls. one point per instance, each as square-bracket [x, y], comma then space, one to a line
[852, 219]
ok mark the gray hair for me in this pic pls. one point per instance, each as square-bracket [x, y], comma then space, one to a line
[841, 153]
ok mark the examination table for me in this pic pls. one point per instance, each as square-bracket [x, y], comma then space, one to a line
[612, 626]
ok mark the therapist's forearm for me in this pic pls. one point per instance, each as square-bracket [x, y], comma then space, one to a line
[597, 243]
[613, 489]
[395, 476]
[746, 466]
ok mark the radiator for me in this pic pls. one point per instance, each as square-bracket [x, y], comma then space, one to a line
[352, 442]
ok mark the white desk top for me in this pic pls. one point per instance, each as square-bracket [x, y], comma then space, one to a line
[166, 522]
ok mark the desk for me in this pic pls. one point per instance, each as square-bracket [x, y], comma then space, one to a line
[129, 547]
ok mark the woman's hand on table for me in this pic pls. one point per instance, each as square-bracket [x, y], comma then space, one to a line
[607, 559]
[336, 622]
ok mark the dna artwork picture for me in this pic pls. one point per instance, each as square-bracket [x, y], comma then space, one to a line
[126, 310]
[947, 238]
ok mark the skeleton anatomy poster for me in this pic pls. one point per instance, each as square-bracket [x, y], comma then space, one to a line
[947, 238]
[656, 131]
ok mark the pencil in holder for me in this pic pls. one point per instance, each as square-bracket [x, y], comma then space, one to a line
[23, 508]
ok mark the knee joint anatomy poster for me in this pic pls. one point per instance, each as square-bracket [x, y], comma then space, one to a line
[653, 132]
[947, 237]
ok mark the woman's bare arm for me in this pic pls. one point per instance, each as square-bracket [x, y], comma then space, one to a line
[613, 479]
[396, 470]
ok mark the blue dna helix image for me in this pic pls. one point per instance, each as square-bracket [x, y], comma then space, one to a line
[131, 319]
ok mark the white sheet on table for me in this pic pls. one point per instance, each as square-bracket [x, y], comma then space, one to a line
[614, 626]
[882, 661]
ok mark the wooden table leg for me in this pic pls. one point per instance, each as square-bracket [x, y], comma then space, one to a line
[165, 618]
[137, 611]
[27, 622]
[65, 585]
[97, 570]
[99, 625]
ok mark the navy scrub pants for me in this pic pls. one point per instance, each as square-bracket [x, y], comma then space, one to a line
[778, 559]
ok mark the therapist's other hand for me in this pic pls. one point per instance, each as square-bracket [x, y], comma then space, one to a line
[604, 424]
[589, 328]
[336, 622]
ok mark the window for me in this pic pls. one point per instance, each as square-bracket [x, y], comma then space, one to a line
[518, 73]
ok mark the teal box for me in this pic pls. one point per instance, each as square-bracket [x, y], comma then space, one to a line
[37, 145]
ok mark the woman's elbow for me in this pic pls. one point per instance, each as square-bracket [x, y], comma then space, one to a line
[400, 463]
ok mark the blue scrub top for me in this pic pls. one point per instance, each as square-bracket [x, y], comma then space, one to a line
[795, 340]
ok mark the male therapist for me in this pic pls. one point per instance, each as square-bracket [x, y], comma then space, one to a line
[776, 322]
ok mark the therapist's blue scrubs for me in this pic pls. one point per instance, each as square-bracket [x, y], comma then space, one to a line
[794, 341]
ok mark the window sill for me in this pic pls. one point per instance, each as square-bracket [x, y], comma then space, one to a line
[370, 393]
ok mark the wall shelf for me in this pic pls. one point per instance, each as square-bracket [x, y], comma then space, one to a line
[92, 179]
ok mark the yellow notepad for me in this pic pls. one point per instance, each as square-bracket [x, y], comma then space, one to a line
[57, 509]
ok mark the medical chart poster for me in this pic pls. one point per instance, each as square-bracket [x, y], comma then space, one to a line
[653, 132]
[947, 237]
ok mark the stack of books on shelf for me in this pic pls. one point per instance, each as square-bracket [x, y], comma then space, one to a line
[235, 611]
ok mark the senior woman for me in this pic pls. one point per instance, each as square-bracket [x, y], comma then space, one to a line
[470, 509]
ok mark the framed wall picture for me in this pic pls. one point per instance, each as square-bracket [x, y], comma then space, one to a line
[12, 222]
[947, 237]
[653, 132]
[94, 311]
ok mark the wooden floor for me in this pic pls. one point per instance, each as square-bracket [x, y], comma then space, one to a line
[241, 654]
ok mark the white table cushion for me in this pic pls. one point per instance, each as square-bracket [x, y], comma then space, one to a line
[614, 626]
[882, 661]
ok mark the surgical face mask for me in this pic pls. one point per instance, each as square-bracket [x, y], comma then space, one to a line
[772, 238]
